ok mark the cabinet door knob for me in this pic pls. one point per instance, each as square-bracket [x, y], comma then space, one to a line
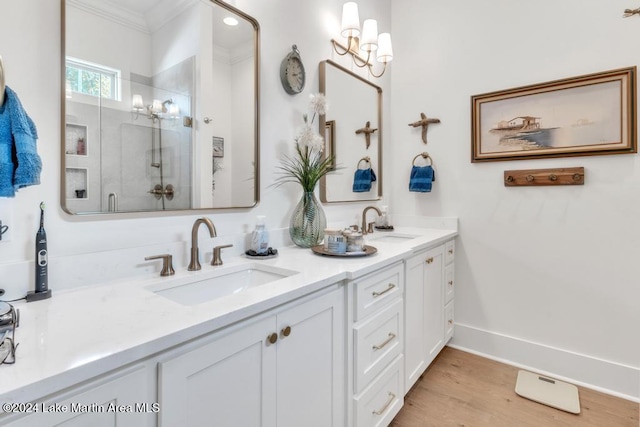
[450, 282]
[272, 338]
[429, 260]
[286, 331]
[451, 251]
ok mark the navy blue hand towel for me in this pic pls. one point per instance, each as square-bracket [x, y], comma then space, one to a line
[362, 180]
[20, 164]
[421, 179]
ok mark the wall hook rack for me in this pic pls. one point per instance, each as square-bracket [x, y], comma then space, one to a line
[424, 122]
[539, 177]
[368, 131]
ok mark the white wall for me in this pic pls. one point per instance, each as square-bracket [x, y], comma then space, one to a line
[239, 151]
[121, 52]
[92, 249]
[546, 277]
[220, 104]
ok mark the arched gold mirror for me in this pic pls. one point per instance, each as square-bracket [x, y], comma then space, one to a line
[161, 106]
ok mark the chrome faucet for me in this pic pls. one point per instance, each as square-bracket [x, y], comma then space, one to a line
[194, 264]
[364, 219]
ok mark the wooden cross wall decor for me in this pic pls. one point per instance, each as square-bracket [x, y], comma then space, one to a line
[368, 131]
[424, 122]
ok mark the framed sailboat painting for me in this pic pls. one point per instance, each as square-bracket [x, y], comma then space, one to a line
[593, 114]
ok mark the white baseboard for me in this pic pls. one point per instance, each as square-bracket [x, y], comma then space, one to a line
[586, 371]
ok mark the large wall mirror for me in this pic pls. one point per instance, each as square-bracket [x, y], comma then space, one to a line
[353, 134]
[161, 106]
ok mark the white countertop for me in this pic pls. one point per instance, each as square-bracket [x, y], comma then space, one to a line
[81, 333]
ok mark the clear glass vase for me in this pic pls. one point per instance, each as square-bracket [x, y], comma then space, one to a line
[308, 222]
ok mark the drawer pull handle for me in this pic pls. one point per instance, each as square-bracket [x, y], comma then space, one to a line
[386, 405]
[377, 294]
[429, 260]
[272, 338]
[387, 341]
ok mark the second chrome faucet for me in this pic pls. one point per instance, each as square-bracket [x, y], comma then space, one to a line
[194, 264]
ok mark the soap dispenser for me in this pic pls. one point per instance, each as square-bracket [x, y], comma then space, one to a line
[383, 220]
[260, 237]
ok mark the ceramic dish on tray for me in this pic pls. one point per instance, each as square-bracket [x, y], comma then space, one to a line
[260, 256]
[271, 253]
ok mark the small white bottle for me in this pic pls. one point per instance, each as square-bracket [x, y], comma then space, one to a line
[260, 237]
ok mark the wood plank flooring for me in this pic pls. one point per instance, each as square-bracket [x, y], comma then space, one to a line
[462, 389]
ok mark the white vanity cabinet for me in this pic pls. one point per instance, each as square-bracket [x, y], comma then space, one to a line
[124, 399]
[377, 336]
[337, 350]
[449, 275]
[428, 308]
[285, 368]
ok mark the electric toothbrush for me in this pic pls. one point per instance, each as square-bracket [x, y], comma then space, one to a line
[42, 290]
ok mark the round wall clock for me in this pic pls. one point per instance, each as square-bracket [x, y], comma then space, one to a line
[292, 73]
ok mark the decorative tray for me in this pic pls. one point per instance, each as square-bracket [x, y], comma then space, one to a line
[368, 250]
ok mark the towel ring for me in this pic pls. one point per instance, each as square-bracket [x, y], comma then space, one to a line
[425, 156]
[364, 159]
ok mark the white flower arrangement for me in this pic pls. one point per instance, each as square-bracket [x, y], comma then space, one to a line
[309, 164]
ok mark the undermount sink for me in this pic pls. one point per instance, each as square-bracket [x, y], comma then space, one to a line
[226, 282]
[392, 238]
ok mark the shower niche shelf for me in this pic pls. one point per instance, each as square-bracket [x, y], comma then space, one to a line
[75, 143]
[77, 183]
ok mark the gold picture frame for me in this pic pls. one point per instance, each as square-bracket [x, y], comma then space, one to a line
[330, 141]
[593, 114]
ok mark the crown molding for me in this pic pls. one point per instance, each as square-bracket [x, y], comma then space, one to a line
[149, 22]
[165, 11]
[112, 12]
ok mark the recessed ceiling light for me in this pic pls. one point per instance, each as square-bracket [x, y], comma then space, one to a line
[231, 21]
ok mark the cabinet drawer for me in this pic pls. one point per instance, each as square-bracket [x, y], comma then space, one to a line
[449, 251]
[448, 322]
[449, 277]
[377, 342]
[381, 402]
[375, 290]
